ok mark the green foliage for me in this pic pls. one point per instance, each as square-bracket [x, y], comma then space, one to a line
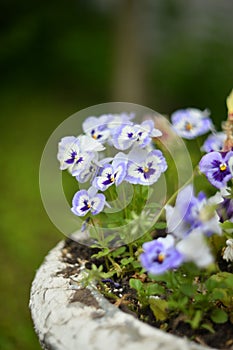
[159, 308]
[219, 316]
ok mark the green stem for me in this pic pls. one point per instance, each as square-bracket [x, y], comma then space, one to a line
[131, 250]
[99, 235]
[107, 263]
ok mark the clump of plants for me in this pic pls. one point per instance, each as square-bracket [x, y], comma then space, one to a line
[168, 242]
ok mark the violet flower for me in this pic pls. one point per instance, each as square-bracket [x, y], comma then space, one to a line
[190, 123]
[114, 121]
[160, 255]
[112, 173]
[215, 166]
[131, 134]
[76, 153]
[225, 210]
[97, 128]
[176, 217]
[145, 168]
[214, 142]
[192, 212]
[85, 201]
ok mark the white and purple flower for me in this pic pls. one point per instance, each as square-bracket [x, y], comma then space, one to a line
[192, 212]
[160, 255]
[88, 201]
[228, 250]
[76, 153]
[97, 128]
[190, 123]
[116, 120]
[145, 168]
[112, 173]
[131, 134]
[216, 168]
[194, 248]
[214, 142]
[202, 213]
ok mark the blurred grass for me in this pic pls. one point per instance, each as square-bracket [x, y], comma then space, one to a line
[28, 118]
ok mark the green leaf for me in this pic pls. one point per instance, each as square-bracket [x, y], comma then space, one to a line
[155, 289]
[159, 308]
[221, 279]
[188, 289]
[209, 327]
[218, 294]
[160, 225]
[195, 322]
[136, 284]
[118, 252]
[101, 253]
[227, 226]
[126, 261]
[219, 316]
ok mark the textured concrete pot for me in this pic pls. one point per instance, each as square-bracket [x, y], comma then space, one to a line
[68, 318]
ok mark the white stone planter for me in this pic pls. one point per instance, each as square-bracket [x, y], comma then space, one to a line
[67, 319]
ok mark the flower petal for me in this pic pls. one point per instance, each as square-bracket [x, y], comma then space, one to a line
[97, 203]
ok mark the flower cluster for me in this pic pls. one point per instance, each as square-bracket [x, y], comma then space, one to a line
[188, 223]
[174, 248]
[194, 219]
[84, 158]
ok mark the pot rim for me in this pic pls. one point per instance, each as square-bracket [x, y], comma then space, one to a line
[67, 319]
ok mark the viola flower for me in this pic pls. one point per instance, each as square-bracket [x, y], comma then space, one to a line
[76, 153]
[190, 123]
[228, 251]
[202, 213]
[215, 166]
[195, 249]
[114, 121]
[143, 168]
[176, 217]
[160, 255]
[87, 174]
[85, 201]
[112, 173]
[128, 135]
[225, 210]
[214, 142]
[192, 212]
[97, 128]
[91, 170]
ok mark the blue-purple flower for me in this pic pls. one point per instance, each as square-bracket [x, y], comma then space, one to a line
[112, 173]
[202, 213]
[190, 123]
[215, 166]
[214, 142]
[97, 128]
[160, 255]
[76, 153]
[192, 212]
[145, 168]
[88, 201]
[225, 210]
[114, 121]
[131, 134]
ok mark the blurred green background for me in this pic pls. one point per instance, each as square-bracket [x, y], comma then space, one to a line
[58, 57]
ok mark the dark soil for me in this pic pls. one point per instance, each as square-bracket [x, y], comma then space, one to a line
[119, 293]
